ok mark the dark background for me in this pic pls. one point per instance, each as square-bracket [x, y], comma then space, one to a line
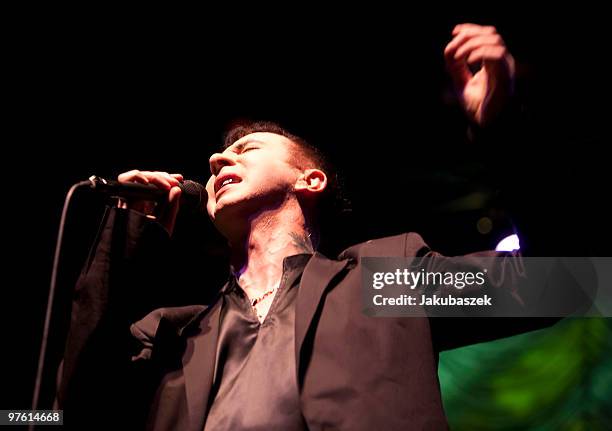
[106, 91]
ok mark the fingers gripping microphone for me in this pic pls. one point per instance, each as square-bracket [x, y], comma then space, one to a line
[193, 194]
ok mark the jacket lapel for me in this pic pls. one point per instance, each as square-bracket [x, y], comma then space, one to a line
[200, 352]
[199, 364]
[319, 272]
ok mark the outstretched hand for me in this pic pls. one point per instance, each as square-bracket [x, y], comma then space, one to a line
[483, 94]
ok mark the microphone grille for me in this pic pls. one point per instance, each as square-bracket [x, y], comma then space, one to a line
[194, 194]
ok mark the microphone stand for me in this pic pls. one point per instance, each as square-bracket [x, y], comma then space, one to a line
[52, 288]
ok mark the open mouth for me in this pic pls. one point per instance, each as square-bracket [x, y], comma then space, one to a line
[226, 180]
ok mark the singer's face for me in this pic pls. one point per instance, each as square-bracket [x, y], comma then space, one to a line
[254, 173]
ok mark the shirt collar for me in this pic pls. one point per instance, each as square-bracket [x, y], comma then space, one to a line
[294, 264]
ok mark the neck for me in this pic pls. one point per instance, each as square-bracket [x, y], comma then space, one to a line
[270, 236]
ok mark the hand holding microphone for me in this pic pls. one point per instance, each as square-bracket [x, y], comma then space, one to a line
[158, 194]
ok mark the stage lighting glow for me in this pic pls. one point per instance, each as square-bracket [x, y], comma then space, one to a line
[509, 243]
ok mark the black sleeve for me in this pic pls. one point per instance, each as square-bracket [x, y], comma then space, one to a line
[518, 285]
[102, 383]
[506, 282]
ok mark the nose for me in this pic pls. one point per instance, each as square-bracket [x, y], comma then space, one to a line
[218, 160]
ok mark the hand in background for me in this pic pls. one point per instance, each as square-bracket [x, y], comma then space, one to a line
[483, 94]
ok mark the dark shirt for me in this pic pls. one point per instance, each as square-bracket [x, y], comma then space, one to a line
[255, 379]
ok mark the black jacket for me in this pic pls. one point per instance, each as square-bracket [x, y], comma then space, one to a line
[125, 364]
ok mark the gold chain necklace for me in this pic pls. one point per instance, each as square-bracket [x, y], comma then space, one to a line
[257, 300]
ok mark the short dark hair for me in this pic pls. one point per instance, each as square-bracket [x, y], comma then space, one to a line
[333, 202]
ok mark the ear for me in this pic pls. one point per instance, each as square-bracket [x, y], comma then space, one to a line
[311, 181]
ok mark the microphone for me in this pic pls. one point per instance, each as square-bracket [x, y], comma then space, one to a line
[193, 194]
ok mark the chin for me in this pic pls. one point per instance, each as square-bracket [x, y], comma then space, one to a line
[225, 204]
[227, 210]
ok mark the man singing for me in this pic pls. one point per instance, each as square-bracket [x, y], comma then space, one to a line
[285, 345]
